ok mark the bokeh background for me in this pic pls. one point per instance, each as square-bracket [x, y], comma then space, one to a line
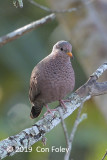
[86, 29]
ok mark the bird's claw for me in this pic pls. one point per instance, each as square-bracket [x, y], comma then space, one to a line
[49, 111]
[62, 102]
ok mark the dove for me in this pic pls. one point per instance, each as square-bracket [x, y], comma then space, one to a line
[52, 78]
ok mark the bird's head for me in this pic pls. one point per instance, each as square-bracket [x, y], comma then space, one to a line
[63, 48]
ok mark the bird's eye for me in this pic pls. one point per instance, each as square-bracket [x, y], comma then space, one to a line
[61, 49]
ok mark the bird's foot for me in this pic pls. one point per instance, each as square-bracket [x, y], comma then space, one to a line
[49, 111]
[62, 102]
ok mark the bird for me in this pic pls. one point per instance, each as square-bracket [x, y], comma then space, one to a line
[52, 78]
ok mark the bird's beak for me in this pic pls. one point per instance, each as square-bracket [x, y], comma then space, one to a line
[70, 54]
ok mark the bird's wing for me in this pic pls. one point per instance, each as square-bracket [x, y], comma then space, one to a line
[35, 81]
[33, 91]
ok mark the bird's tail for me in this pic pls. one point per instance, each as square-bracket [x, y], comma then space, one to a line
[35, 111]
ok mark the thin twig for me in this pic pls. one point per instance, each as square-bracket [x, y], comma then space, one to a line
[40, 6]
[69, 10]
[50, 10]
[64, 127]
[104, 156]
[76, 123]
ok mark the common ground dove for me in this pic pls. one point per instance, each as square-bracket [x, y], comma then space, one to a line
[52, 78]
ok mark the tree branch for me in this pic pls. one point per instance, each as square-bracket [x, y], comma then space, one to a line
[31, 135]
[93, 88]
[25, 29]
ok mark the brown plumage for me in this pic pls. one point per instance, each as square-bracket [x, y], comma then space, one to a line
[52, 78]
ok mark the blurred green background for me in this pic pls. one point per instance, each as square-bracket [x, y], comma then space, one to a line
[17, 60]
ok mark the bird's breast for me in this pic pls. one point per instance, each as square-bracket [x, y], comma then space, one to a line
[59, 80]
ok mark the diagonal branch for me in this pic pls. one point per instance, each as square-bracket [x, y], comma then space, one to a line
[25, 29]
[31, 135]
